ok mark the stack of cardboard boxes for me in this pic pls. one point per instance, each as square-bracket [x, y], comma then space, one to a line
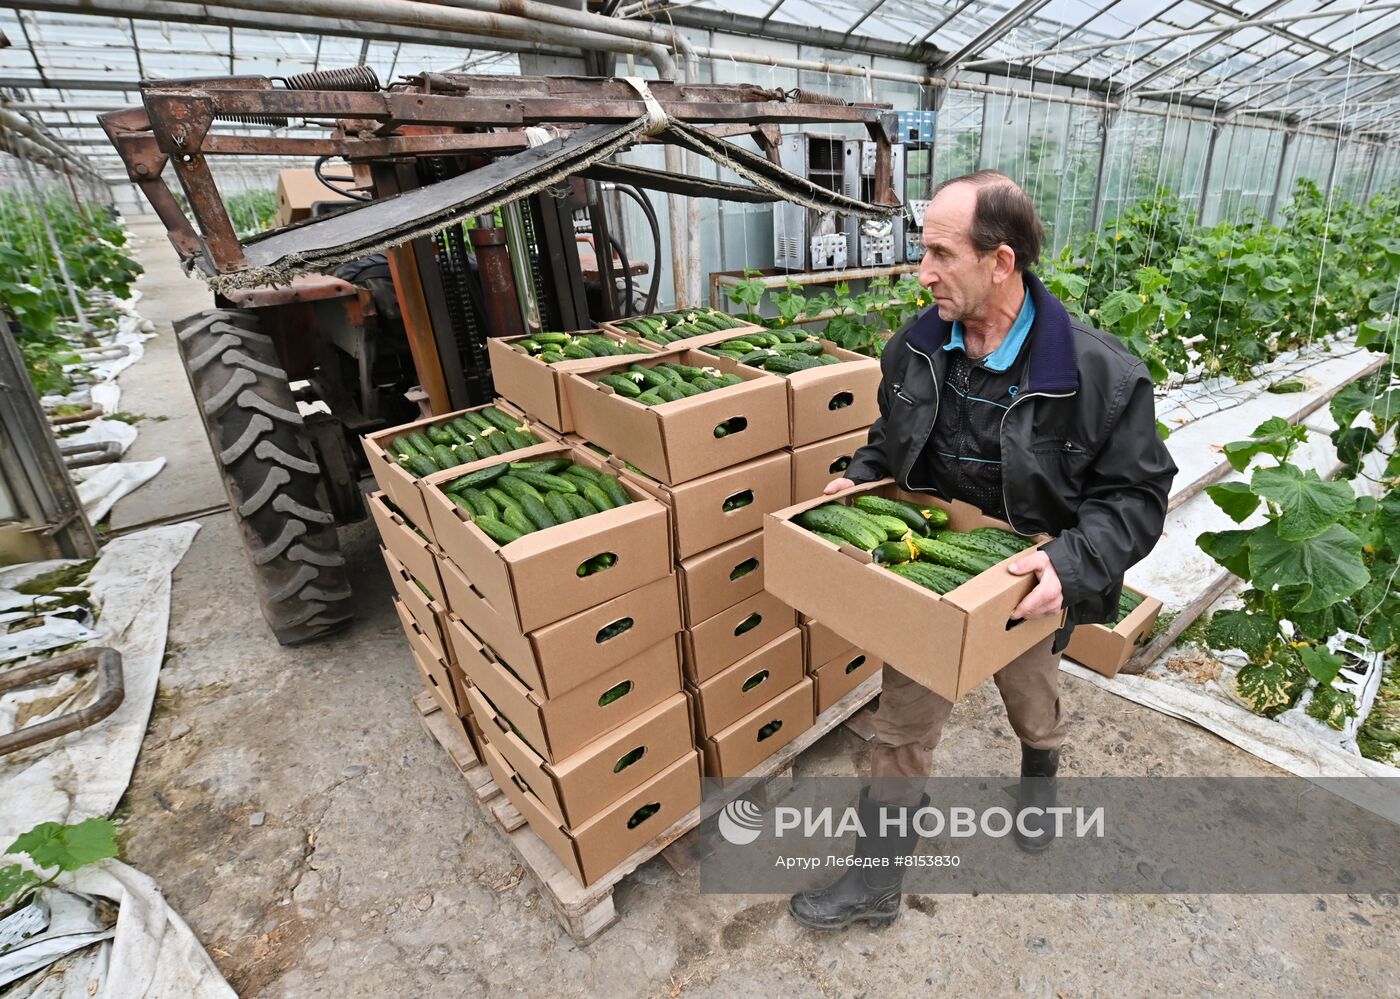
[568, 682]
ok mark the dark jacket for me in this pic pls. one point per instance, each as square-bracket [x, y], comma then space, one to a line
[1080, 455]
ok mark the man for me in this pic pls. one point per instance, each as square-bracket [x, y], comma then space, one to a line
[994, 396]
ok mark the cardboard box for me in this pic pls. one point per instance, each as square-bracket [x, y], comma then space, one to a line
[699, 520]
[587, 782]
[734, 751]
[538, 388]
[556, 727]
[435, 669]
[534, 580]
[404, 488]
[591, 850]
[754, 680]
[298, 191]
[1107, 650]
[560, 656]
[835, 679]
[675, 441]
[429, 614]
[700, 340]
[719, 578]
[834, 398]
[415, 553]
[814, 465]
[733, 633]
[821, 643]
[948, 643]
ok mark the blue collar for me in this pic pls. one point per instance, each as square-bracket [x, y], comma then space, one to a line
[1052, 365]
[1010, 347]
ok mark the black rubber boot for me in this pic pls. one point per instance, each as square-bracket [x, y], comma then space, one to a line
[1036, 790]
[871, 894]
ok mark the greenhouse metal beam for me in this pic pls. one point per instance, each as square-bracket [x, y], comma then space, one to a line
[798, 34]
[1198, 49]
[1222, 86]
[992, 33]
[1282, 31]
[232, 17]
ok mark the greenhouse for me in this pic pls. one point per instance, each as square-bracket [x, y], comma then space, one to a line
[596, 498]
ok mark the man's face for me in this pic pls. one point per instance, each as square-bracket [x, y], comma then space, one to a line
[959, 278]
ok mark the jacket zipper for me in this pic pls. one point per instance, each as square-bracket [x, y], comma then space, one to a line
[937, 399]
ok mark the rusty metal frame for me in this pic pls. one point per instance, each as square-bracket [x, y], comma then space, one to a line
[111, 692]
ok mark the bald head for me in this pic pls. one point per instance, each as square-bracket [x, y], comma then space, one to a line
[995, 212]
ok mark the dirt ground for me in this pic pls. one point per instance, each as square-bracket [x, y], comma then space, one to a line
[374, 873]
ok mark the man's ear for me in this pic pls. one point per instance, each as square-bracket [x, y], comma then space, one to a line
[1003, 264]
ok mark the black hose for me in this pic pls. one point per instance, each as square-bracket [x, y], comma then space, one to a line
[645, 204]
[626, 276]
[326, 183]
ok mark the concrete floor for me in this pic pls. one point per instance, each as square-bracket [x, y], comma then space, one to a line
[376, 874]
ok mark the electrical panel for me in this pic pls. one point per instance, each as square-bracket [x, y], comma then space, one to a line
[805, 239]
[875, 243]
[916, 134]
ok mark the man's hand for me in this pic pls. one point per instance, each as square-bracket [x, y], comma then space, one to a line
[836, 485]
[1047, 598]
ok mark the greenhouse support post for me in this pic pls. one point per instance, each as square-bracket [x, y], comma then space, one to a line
[1288, 138]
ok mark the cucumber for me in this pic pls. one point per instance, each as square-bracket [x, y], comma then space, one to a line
[688, 372]
[480, 503]
[552, 337]
[552, 357]
[895, 552]
[500, 420]
[840, 521]
[610, 485]
[808, 347]
[583, 472]
[516, 519]
[471, 512]
[558, 508]
[501, 533]
[464, 429]
[938, 578]
[551, 465]
[439, 435]
[935, 550]
[580, 506]
[596, 496]
[783, 364]
[895, 528]
[666, 372]
[480, 422]
[622, 385]
[831, 537]
[421, 466]
[648, 378]
[478, 480]
[671, 393]
[518, 439]
[519, 488]
[420, 443]
[729, 379]
[911, 515]
[444, 457]
[650, 399]
[538, 513]
[576, 351]
[468, 453]
[503, 500]
[545, 482]
[402, 447]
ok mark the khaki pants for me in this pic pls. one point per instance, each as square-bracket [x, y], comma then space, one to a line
[910, 719]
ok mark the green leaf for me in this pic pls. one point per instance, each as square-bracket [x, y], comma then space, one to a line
[1321, 664]
[51, 844]
[1118, 306]
[1309, 504]
[1331, 706]
[1327, 567]
[1229, 548]
[1270, 688]
[15, 879]
[1235, 498]
[1163, 431]
[1253, 634]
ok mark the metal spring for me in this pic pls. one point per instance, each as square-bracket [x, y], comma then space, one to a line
[274, 121]
[799, 96]
[350, 78]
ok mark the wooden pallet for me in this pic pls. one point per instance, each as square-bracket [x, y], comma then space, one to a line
[585, 912]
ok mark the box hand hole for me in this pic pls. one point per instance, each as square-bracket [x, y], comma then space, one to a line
[748, 624]
[855, 664]
[611, 631]
[840, 400]
[743, 569]
[642, 814]
[737, 502]
[627, 759]
[754, 680]
[596, 564]
[731, 426]
[840, 464]
[614, 693]
[770, 729]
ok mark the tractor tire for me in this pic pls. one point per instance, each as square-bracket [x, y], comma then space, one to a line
[274, 486]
